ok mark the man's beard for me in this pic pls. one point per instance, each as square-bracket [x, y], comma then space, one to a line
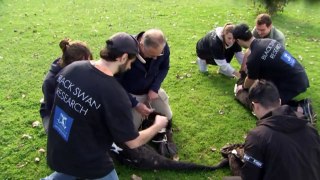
[123, 68]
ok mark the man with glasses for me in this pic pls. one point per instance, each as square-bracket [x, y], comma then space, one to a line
[269, 60]
[81, 131]
[143, 81]
[283, 145]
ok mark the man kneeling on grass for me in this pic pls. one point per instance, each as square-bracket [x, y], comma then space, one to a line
[283, 145]
[271, 61]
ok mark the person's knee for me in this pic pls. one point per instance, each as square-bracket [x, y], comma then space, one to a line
[162, 105]
[202, 64]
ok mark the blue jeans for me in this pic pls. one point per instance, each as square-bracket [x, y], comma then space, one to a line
[61, 176]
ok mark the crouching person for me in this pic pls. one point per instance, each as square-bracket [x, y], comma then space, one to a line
[283, 145]
[143, 83]
[91, 110]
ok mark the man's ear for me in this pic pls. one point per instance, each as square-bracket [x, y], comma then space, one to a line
[123, 58]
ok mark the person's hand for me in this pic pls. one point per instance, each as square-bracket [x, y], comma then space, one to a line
[236, 74]
[143, 110]
[152, 95]
[161, 122]
[240, 87]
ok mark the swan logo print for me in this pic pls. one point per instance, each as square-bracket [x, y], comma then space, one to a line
[62, 123]
[62, 120]
[288, 59]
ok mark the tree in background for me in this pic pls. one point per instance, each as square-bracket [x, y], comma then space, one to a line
[274, 6]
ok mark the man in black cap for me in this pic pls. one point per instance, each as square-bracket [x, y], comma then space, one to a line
[269, 60]
[91, 111]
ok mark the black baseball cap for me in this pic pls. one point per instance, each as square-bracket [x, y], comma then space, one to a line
[123, 42]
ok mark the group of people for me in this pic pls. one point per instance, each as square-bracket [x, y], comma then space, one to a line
[84, 119]
[284, 145]
[265, 58]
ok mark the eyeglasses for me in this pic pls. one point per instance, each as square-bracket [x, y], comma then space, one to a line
[151, 52]
[147, 54]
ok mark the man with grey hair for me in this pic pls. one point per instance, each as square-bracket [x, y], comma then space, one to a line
[143, 81]
[81, 131]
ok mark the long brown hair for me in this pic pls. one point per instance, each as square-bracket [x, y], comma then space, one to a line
[73, 51]
[227, 28]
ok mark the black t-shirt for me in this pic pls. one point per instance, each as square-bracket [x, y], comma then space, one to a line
[91, 111]
[210, 47]
[269, 60]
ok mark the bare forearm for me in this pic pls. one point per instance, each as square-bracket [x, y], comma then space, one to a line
[248, 83]
[144, 137]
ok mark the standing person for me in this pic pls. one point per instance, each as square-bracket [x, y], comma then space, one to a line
[269, 60]
[283, 145]
[71, 51]
[265, 29]
[91, 111]
[218, 47]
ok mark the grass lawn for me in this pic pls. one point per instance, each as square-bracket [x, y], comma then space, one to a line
[205, 112]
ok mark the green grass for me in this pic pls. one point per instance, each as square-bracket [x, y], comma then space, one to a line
[31, 30]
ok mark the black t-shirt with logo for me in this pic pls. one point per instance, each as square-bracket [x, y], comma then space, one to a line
[91, 110]
[269, 60]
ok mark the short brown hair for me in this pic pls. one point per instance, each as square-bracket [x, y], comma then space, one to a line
[265, 93]
[264, 19]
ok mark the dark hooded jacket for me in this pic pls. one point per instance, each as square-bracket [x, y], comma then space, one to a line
[48, 89]
[282, 146]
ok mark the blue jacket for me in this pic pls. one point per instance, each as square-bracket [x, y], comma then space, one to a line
[139, 80]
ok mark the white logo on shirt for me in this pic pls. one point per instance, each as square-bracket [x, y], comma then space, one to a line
[63, 121]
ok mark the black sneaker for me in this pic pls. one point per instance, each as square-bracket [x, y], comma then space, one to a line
[306, 105]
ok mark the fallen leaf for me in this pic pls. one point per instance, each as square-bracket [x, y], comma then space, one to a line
[35, 124]
[175, 157]
[213, 149]
[244, 136]
[135, 177]
[22, 164]
[26, 136]
[41, 150]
